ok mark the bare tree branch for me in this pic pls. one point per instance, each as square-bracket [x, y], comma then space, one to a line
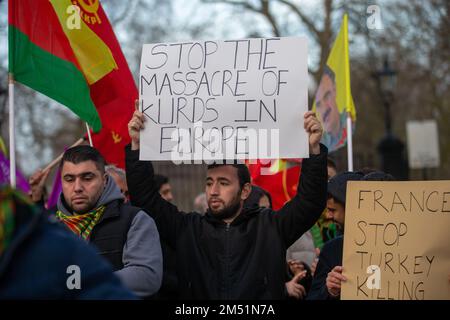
[325, 37]
[263, 10]
[243, 4]
[322, 36]
[309, 24]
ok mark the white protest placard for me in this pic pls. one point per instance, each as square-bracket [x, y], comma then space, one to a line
[423, 144]
[397, 240]
[231, 99]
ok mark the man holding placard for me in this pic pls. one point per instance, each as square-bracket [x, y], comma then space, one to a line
[231, 252]
[328, 275]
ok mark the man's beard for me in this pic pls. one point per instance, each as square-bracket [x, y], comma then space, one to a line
[339, 226]
[88, 208]
[228, 211]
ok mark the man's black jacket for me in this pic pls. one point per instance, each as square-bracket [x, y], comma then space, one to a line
[243, 260]
[330, 257]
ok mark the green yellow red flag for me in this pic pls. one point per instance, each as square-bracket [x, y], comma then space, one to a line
[79, 65]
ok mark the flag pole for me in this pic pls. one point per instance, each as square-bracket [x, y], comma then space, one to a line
[348, 97]
[12, 141]
[89, 135]
[349, 143]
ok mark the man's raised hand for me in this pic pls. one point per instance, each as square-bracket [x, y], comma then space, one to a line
[37, 185]
[135, 125]
[314, 130]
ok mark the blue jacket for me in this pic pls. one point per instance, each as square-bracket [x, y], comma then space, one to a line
[35, 264]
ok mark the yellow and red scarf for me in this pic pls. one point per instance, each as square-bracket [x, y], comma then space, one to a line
[82, 224]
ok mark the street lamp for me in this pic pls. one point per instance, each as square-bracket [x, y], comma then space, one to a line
[391, 149]
[386, 81]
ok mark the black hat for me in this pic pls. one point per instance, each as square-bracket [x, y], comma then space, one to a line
[378, 176]
[337, 186]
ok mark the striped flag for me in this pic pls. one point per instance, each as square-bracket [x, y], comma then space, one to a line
[67, 50]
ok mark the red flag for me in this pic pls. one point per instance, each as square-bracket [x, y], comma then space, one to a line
[113, 96]
[279, 178]
[67, 50]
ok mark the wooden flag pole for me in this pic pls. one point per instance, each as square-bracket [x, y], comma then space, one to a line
[89, 135]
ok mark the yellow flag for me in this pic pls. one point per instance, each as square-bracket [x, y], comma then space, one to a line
[333, 98]
[92, 53]
[3, 147]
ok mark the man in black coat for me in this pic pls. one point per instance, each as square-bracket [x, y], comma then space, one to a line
[231, 252]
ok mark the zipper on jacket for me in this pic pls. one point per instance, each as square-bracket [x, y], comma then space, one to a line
[227, 253]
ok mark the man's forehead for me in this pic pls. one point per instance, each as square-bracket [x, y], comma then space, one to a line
[225, 171]
[325, 84]
[332, 203]
[78, 168]
[326, 78]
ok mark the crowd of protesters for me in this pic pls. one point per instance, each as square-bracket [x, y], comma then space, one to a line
[129, 240]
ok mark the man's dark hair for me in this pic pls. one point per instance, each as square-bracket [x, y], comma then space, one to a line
[159, 180]
[378, 176]
[83, 153]
[242, 171]
[327, 71]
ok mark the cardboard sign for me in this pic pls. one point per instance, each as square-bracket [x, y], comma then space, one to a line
[233, 99]
[397, 240]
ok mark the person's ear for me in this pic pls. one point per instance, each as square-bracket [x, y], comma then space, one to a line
[246, 190]
[105, 179]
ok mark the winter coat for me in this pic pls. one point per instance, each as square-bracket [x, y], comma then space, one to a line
[241, 260]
